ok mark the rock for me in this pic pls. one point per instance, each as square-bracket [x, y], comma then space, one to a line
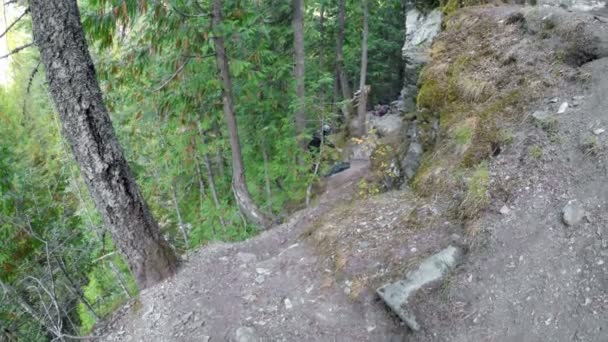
[573, 213]
[598, 131]
[246, 334]
[288, 304]
[386, 125]
[397, 295]
[412, 160]
[505, 210]
[553, 100]
[515, 18]
[548, 21]
[246, 257]
[541, 115]
[262, 271]
[337, 168]
[420, 30]
[205, 338]
[562, 108]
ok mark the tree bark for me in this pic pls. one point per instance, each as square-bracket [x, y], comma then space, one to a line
[299, 69]
[87, 127]
[347, 92]
[239, 183]
[359, 130]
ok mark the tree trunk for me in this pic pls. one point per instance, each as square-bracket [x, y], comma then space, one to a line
[362, 103]
[298, 44]
[239, 183]
[211, 177]
[347, 92]
[267, 177]
[87, 127]
[341, 78]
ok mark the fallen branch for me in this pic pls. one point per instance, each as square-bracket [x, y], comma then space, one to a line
[14, 23]
[17, 50]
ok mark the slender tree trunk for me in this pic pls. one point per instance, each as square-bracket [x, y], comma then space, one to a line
[211, 177]
[298, 44]
[341, 78]
[239, 183]
[180, 221]
[347, 92]
[201, 182]
[76, 288]
[121, 281]
[362, 103]
[267, 176]
[86, 125]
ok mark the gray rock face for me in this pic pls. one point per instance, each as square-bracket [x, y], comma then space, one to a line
[246, 334]
[398, 294]
[420, 30]
[389, 124]
[573, 213]
[579, 5]
[412, 160]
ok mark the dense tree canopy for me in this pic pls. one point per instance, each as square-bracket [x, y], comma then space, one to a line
[157, 68]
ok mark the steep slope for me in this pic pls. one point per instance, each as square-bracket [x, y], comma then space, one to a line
[530, 277]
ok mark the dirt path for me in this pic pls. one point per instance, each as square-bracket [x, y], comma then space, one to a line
[270, 287]
[536, 279]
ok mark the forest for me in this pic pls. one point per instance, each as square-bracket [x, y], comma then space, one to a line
[134, 131]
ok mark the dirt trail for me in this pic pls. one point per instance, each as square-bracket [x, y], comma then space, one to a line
[271, 286]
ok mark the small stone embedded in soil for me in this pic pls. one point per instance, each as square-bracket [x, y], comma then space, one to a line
[562, 108]
[541, 115]
[505, 210]
[573, 213]
[288, 304]
[262, 271]
[246, 257]
[598, 131]
[246, 334]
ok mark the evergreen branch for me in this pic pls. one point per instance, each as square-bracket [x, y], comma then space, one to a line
[31, 79]
[179, 70]
[14, 23]
[17, 50]
[187, 15]
[29, 87]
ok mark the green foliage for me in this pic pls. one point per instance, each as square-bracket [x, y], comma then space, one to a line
[155, 64]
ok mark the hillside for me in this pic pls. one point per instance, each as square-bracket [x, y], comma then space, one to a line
[507, 158]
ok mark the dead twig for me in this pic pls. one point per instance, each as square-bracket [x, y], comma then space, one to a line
[17, 50]
[14, 23]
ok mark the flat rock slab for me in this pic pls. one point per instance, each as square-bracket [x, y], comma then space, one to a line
[398, 294]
